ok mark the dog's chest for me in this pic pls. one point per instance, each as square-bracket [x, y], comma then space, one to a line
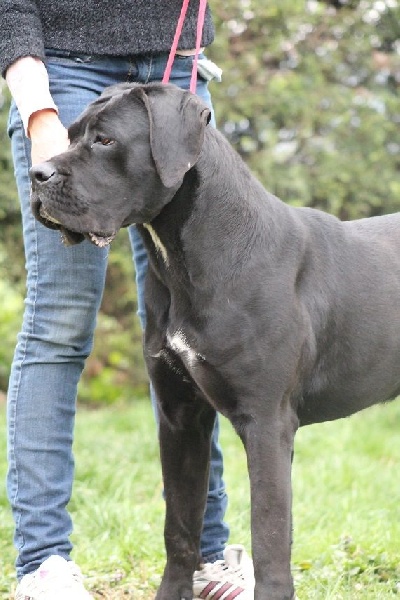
[185, 359]
[179, 346]
[182, 357]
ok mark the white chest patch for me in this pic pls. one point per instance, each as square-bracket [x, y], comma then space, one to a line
[160, 248]
[179, 344]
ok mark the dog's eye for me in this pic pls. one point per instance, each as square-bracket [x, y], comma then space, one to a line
[104, 141]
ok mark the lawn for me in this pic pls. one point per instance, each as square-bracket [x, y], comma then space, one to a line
[346, 505]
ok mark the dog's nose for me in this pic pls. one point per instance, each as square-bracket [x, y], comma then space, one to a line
[42, 172]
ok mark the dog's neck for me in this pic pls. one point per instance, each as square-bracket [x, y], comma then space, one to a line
[221, 210]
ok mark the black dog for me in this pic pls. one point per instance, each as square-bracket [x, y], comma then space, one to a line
[275, 316]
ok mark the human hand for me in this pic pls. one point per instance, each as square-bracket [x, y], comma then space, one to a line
[48, 135]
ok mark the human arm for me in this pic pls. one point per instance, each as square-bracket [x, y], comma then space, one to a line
[29, 85]
[21, 61]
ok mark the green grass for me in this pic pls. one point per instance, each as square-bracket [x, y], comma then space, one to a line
[346, 505]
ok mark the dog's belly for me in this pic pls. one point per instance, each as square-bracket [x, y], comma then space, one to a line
[343, 397]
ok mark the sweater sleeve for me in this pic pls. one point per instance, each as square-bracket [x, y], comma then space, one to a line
[21, 32]
[29, 86]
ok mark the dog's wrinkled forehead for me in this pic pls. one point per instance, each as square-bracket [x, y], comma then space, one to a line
[172, 118]
[117, 95]
[96, 109]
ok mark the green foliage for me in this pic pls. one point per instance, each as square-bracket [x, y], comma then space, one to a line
[11, 303]
[10, 221]
[8, 199]
[310, 99]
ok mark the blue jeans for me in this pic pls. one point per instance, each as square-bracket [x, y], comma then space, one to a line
[64, 291]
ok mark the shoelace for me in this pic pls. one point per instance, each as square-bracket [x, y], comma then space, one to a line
[235, 573]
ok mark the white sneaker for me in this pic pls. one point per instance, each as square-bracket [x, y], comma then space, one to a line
[55, 579]
[228, 579]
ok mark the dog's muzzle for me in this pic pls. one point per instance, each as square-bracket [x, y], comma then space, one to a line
[40, 175]
[68, 236]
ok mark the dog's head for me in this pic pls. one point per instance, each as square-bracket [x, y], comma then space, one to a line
[129, 152]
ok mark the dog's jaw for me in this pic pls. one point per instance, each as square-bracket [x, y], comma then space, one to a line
[68, 236]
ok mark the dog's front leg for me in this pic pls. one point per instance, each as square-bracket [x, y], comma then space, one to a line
[185, 457]
[269, 445]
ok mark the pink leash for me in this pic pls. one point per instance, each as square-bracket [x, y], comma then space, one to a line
[179, 27]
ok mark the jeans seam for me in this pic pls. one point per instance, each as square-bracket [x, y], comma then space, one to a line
[149, 70]
[130, 70]
[21, 364]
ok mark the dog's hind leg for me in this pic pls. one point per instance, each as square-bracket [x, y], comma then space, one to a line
[268, 440]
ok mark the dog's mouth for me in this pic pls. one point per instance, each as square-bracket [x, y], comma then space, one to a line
[70, 237]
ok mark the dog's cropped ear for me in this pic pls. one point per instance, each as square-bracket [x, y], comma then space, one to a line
[177, 123]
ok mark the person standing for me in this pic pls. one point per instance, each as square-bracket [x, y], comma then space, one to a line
[57, 56]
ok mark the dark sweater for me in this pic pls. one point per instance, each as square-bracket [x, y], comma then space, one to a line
[113, 27]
